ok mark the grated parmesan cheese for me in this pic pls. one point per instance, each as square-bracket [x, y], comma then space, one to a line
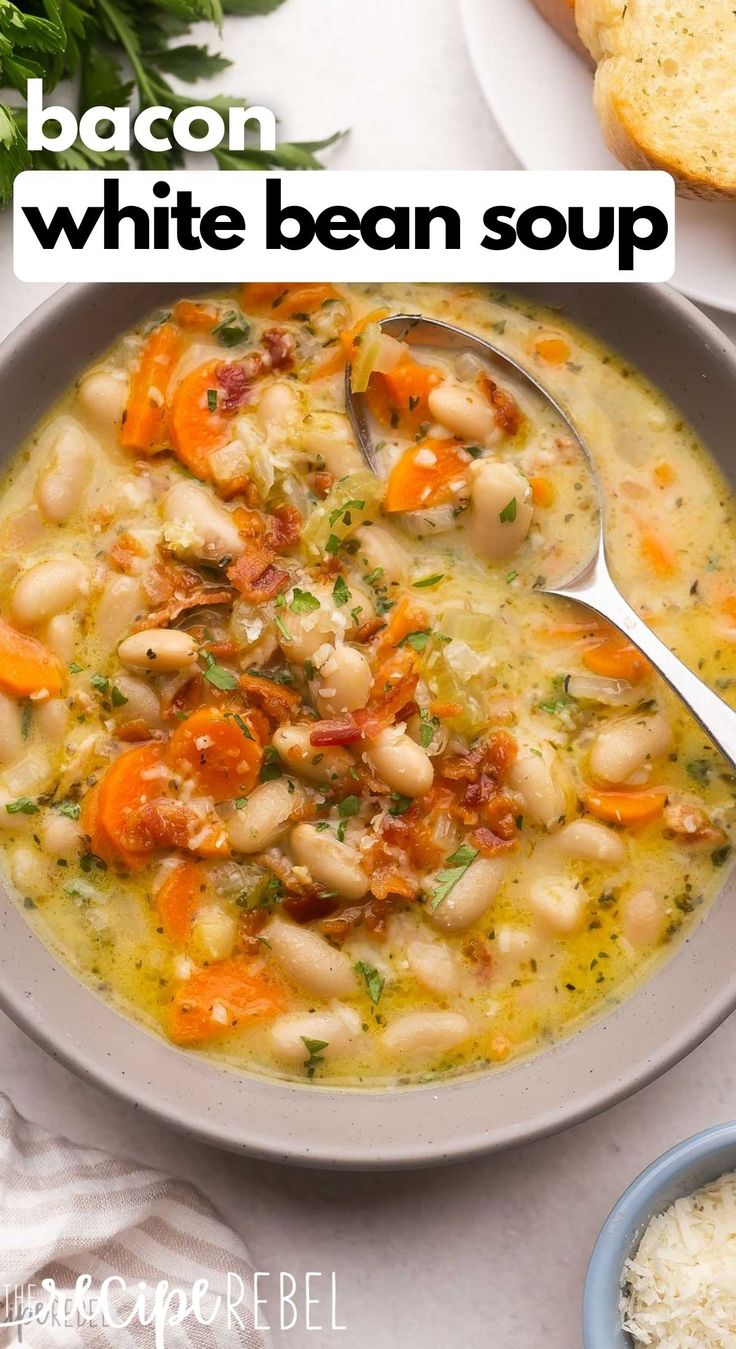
[679, 1291]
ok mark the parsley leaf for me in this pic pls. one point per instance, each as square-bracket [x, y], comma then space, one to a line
[303, 602]
[508, 514]
[313, 1048]
[373, 980]
[340, 591]
[217, 675]
[451, 873]
[22, 806]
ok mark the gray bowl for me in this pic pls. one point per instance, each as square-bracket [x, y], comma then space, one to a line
[682, 352]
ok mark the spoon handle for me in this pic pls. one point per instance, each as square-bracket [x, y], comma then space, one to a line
[596, 589]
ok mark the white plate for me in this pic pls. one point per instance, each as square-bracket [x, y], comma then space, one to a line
[540, 94]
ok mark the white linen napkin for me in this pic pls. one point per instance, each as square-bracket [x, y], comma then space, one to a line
[69, 1212]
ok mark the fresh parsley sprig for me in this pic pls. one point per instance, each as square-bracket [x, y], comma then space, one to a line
[120, 53]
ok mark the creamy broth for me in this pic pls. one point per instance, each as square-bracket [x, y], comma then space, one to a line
[297, 765]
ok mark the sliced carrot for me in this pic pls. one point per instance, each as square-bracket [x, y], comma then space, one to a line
[215, 750]
[285, 302]
[553, 350]
[627, 807]
[413, 485]
[129, 780]
[664, 474]
[344, 351]
[201, 317]
[659, 552]
[214, 1000]
[178, 900]
[143, 427]
[197, 425]
[26, 665]
[405, 618]
[543, 492]
[400, 397]
[618, 659]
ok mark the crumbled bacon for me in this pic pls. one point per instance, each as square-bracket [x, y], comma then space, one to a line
[160, 823]
[339, 731]
[309, 906]
[134, 731]
[343, 924]
[689, 823]
[236, 379]
[388, 881]
[320, 483]
[257, 577]
[281, 347]
[477, 951]
[124, 553]
[174, 590]
[508, 413]
[277, 700]
[283, 528]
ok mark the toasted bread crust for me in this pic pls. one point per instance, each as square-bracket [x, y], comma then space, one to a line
[640, 142]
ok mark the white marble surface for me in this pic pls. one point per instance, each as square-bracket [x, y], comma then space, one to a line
[488, 1255]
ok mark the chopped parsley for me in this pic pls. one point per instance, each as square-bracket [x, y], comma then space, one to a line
[340, 591]
[429, 581]
[508, 514]
[303, 602]
[270, 765]
[398, 804]
[416, 640]
[71, 809]
[212, 400]
[100, 683]
[429, 725]
[217, 675]
[347, 809]
[231, 331]
[313, 1048]
[451, 873]
[240, 723]
[373, 980]
[22, 806]
[117, 697]
[333, 545]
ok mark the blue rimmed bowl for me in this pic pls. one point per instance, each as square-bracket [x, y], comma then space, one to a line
[686, 1167]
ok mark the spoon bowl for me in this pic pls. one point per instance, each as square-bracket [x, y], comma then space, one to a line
[592, 584]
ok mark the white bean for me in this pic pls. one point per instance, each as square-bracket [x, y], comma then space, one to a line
[330, 863]
[141, 702]
[592, 842]
[434, 965]
[425, 1033]
[400, 762]
[642, 918]
[28, 872]
[501, 509]
[11, 733]
[47, 589]
[471, 896]
[624, 747]
[213, 934]
[278, 409]
[61, 837]
[463, 411]
[380, 551]
[60, 635]
[103, 396]
[198, 526]
[310, 960]
[158, 650]
[344, 681]
[323, 766]
[14, 823]
[327, 437]
[304, 633]
[559, 904]
[121, 603]
[337, 1029]
[52, 718]
[264, 816]
[543, 786]
[61, 484]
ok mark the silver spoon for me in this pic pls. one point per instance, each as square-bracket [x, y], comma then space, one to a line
[592, 585]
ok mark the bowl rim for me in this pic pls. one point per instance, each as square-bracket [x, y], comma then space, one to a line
[310, 1124]
[640, 1198]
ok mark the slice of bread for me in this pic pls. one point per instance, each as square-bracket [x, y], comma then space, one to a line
[665, 87]
[561, 15]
